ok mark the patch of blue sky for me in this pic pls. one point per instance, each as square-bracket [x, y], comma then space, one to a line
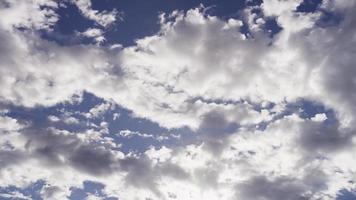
[327, 18]
[304, 108]
[309, 6]
[70, 22]
[32, 191]
[89, 188]
[140, 18]
[347, 195]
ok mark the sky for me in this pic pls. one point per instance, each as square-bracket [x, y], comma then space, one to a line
[177, 100]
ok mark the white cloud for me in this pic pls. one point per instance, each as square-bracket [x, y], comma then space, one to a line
[319, 117]
[37, 72]
[95, 33]
[93, 197]
[129, 134]
[28, 14]
[99, 110]
[8, 124]
[103, 18]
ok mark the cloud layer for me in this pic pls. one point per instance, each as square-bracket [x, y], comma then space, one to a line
[243, 94]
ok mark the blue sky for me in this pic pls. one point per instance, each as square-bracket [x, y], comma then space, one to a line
[108, 100]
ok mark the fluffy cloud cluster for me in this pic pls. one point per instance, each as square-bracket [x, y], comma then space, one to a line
[232, 89]
[104, 18]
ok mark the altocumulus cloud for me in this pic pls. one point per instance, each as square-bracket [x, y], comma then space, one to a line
[234, 90]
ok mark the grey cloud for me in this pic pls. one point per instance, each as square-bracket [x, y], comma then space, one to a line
[11, 157]
[55, 149]
[215, 126]
[142, 173]
[262, 188]
[172, 170]
[214, 131]
[319, 137]
[316, 180]
[96, 161]
[207, 177]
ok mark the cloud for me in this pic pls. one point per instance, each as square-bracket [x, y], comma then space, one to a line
[36, 72]
[262, 188]
[129, 134]
[103, 18]
[95, 33]
[28, 14]
[99, 110]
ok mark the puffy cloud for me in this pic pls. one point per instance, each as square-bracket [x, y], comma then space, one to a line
[319, 117]
[93, 197]
[103, 18]
[37, 14]
[261, 188]
[99, 110]
[37, 72]
[95, 33]
[128, 134]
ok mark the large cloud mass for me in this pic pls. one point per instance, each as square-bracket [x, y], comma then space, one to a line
[238, 92]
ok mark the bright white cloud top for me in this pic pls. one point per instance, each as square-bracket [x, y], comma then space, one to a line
[233, 90]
